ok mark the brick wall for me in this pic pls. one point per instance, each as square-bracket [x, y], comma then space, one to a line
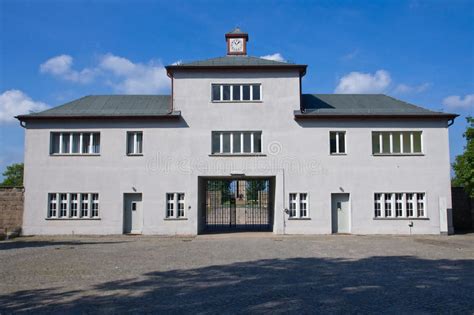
[11, 208]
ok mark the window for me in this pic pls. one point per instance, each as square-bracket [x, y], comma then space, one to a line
[95, 205]
[236, 92]
[388, 205]
[175, 205]
[169, 205]
[409, 205]
[75, 143]
[180, 205]
[399, 205]
[63, 206]
[378, 205]
[84, 205]
[134, 143]
[236, 142]
[298, 207]
[337, 142]
[396, 142]
[53, 206]
[69, 204]
[420, 205]
[74, 205]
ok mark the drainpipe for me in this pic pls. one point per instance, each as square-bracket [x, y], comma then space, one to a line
[285, 211]
[172, 91]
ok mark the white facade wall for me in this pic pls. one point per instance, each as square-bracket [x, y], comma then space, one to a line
[295, 153]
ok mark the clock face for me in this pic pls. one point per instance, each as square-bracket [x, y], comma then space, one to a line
[237, 45]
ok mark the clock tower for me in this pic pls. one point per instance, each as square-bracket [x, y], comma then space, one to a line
[236, 42]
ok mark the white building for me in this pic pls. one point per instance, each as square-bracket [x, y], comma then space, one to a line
[236, 146]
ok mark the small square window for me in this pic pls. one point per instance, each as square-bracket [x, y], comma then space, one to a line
[134, 142]
[337, 142]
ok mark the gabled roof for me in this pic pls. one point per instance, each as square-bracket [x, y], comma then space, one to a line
[360, 106]
[236, 62]
[110, 106]
[237, 30]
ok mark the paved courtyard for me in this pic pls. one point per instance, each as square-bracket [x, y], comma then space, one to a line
[238, 273]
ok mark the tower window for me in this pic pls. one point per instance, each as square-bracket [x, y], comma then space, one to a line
[236, 92]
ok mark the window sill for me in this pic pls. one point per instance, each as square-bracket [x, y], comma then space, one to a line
[299, 219]
[73, 219]
[134, 154]
[398, 154]
[337, 154]
[237, 154]
[175, 219]
[75, 154]
[238, 102]
[401, 219]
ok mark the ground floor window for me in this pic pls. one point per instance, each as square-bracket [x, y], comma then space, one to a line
[399, 205]
[298, 207]
[175, 205]
[68, 205]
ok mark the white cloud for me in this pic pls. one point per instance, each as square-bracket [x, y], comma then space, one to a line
[406, 89]
[15, 102]
[274, 57]
[457, 102]
[359, 83]
[135, 78]
[61, 66]
[118, 72]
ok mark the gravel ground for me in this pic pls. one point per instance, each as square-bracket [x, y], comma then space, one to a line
[238, 273]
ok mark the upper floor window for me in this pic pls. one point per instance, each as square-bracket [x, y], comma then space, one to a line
[337, 142]
[236, 92]
[134, 143]
[75, 143]
[236, 142]
[396, 142]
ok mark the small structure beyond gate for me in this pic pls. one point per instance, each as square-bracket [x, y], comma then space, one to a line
[237, 204]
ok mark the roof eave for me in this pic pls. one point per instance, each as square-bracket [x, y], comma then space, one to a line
[299, 115]
[301, 68]
[172, 115]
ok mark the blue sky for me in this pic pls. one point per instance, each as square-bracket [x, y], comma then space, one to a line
[52, 52]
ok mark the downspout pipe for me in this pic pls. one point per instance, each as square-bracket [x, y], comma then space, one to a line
[172, 91]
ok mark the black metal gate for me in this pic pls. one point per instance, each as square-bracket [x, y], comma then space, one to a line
[237, 204]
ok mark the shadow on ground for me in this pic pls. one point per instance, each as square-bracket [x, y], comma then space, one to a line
[401, 284]
[19, 244]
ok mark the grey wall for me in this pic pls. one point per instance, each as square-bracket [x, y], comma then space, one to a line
[176, 153]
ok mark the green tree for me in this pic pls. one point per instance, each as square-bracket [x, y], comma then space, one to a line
[253, 187]
[464, 164]
[13, 175]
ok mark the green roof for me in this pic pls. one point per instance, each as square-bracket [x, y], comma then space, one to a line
[313, 106]
[325, 105]
[110, 106]
[237, 30]
[233, 62]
